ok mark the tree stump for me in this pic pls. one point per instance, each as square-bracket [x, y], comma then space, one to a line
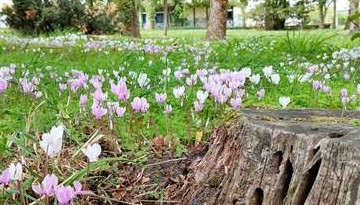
[276, 157]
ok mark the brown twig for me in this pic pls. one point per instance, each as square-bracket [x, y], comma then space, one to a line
[166, 161]
[162, 201]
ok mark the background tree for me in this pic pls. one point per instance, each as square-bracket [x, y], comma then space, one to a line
[166, 17]
[150, 10]
[352, 20]
[216, 28]
[36, 17]
[323, 6]
[191, 5]
[334, 20]
[301, 11]
[129, 17]
[243, 5]
[276, 12]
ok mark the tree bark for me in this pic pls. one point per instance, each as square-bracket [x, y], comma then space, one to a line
[321, 14]
[165, 17]
[353, 7]
[216, 29]
[207, 15]
[334, 24]
[150, 14]
[194, 18]
[275, 157]
[131, 19]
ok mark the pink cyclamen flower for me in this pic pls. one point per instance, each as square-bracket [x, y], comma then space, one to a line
[83, 100]
[99, 96]
[198, 106]
[261, 93]
[168, 109]
[78, 189]
[5, 177]
[64, 194]
[317, 85]
[98, 111]
[178, 74]
[3, 85]
[27, 86]
[47, 187]
[120, 90]
[179, 91]
[120, 111]
[62, 86]
[235, 103]
[343, 92]
[140, 104]
[160, 98]
[38, 94]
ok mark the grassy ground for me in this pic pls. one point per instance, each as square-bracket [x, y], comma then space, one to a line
[305, 67]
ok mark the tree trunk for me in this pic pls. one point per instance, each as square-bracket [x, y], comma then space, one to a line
[353, 7]
[321, 15]
[334, 24]
[194, 18]
[243, 13]
[150, 14]
[165, 17]
[217, 20]
[275, 157]
[131, 22]
[274, 21]
[150, 23]
[207, 16]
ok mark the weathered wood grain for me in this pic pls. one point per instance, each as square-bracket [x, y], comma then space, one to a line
[276, 157]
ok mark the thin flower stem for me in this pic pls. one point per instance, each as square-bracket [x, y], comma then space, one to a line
[21, 195]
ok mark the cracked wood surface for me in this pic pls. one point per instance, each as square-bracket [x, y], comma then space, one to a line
[274, 157]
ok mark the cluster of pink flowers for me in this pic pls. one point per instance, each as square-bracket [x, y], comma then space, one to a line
[140, 105]
[317, 85]
[345, 99]
[64, 194]
[120, 90]
[3, 85]
[30, 86]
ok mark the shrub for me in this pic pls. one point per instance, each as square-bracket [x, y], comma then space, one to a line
[37, 16]
[101, 19]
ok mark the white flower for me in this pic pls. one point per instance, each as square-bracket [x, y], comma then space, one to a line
[284, 101]
[179, 91]
[268, 70]
[255, 79]
[246, 72]
[202, 96]
[166, 72]
[51, 142]
[92, 152]
[306, 77]
[143, 80]
[275, 78]
[16, 171]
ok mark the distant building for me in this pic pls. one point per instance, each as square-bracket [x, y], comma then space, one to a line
[197, 16]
